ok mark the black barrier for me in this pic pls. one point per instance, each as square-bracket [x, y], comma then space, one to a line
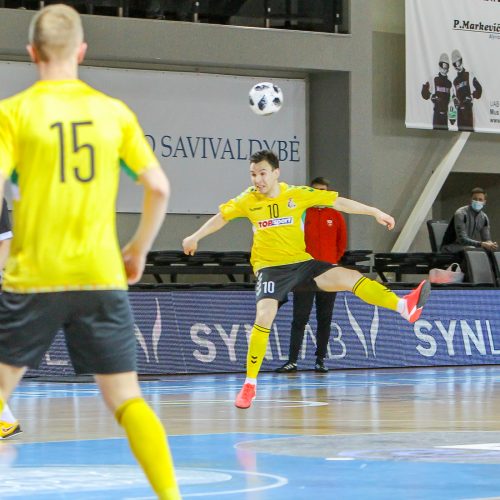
[207, 332]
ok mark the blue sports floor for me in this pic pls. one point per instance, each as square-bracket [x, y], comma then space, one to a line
[354, 434]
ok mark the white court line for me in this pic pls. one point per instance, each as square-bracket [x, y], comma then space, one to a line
[483, 498]
[291, 403]
[478, 446]
[280, 481]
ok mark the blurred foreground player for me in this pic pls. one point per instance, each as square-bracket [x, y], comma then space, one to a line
[280, 260]
[63, 143]
[9, 425]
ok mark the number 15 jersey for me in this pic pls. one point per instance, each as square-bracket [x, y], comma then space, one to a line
[277, 222]
[62, 143]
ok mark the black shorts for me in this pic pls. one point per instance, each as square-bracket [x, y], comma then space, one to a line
[98, 327]
[277, 281]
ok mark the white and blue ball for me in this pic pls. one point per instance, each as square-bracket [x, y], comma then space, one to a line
[265, 98]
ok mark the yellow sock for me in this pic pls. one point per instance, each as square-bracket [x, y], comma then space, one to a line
[2, 405]
[148, 442]
[376, 294]
[256, 350]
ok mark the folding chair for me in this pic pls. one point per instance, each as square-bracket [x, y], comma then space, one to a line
[495, 259]
[479, 267]
[436, 229]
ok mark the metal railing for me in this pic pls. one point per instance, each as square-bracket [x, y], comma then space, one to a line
[308, 15]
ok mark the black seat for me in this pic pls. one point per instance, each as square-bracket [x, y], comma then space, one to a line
[205, 257]
[162, 257]
[400, 264]
[495, 258]
[352, 257]
[479, 267]
[234, 257]
[357, 259]
[436, 229]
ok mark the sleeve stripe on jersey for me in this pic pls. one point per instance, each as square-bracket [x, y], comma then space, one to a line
[14, 177]
[128, 170]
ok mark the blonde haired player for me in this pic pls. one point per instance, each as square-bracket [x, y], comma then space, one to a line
[64, 142]
[279, 255]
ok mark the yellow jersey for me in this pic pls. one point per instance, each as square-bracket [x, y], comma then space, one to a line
[63, 142]
[278, 223]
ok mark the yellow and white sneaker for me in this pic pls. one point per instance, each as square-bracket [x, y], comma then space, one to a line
[8, 429]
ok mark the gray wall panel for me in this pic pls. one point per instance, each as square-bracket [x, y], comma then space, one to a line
[130, 41]
[329, 129]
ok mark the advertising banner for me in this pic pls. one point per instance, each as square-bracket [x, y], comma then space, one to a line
[452, 73]
[207, 332]
[200, 126]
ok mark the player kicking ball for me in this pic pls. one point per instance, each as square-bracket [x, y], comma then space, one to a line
[281, 262]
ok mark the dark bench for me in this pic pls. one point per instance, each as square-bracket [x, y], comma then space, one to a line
[174, 262]
[409, 263]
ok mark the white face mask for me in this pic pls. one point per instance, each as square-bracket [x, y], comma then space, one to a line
[477, 206]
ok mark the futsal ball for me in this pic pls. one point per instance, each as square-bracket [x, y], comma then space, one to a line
[265, 98]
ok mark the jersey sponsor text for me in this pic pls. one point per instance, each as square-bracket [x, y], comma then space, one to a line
[280, 221]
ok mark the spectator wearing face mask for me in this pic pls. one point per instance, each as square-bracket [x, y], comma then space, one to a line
[470, 226]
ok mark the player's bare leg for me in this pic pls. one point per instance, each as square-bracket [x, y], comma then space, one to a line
[9, 378]
[145, 433]
[341, 279]
[266, 312]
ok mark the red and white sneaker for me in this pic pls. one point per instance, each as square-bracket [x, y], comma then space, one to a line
[415, 300]
[246, 396]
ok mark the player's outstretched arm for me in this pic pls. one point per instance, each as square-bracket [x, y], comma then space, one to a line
[190, 243]
[154, 208]
[354, 207]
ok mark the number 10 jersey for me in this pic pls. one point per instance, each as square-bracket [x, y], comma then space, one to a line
[277, 222]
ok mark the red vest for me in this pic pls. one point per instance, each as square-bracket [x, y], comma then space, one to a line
[325, 234]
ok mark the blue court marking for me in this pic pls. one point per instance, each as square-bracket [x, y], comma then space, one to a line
[213, 466]
[269, 382]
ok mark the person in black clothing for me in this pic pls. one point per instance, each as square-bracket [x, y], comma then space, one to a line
[439, 92]
[467, 88]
